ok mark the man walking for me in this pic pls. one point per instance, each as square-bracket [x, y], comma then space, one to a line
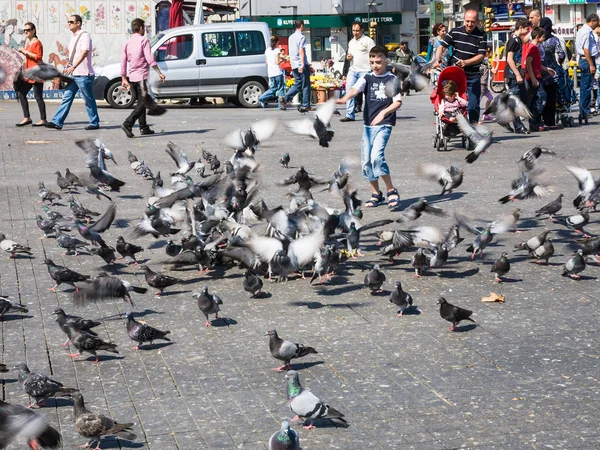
[358, 55]
[80, 68]
[300, 67]
[136, 59]
[587, 52]
[470, 45]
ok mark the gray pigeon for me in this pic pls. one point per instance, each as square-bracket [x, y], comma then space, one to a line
[317, 128]
[40, 387]
[305, 404]
[180, 158]
[284, 439]
[85, 342]
[576, 222]
[449, 178]
[551, 208]
[480, 137]
[574, 265]
[419, 262]
[533, 243]
[67, 242]
[25, 426]
[506, 107]
[208, 304]
[544, 251]
[501, 267]
[529, 159]
[258, 132]
[375, 279]
[592, 247]
[286, 350]
[401, 299]
[8, 306]
[140, 332]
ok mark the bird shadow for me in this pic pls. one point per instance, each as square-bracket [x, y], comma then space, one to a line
[132, 196]
[122, 223]
[431, 199]
[406, 117]
[382, 293]
[11, 317]
[101, 358]
[23, 256]
[465, 328]
[455, 274]
[306, 365]
[157, 244]
[262, 295]
[500, 139]
[340, 290]
[118, 443]
[171, 293]
[412, 311]
[511, 280]
[10, 380]
[584, 278]
[146, 312]
[58, 402]
[174, 132]
[223, 322]
[156, 346]
[319, 305]
[327, 423]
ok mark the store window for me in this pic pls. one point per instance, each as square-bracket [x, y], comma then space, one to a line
[250, 43]
[589, 9]
[564, 13]
[423, 35]
[219, 44]
[320, 45]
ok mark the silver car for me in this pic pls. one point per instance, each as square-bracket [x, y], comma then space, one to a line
[210, 60]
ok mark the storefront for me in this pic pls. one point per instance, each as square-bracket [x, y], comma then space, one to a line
[567, 14]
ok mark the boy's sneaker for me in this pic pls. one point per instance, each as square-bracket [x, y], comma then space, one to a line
[282, 103]
[488, 118]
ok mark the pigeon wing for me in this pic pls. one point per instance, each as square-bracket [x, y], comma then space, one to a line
[468, 129]
[305, 403]
[178, 155]
[106, 220]
[264, 129]
[325, 111]
[234, 140]
[518, 106]
[304, 127]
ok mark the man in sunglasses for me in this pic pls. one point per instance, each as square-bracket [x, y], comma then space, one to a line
[81, 70]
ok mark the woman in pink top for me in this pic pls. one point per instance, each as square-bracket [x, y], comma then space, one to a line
[136, 59]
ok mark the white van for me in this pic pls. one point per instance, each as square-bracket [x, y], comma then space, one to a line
[209, 60]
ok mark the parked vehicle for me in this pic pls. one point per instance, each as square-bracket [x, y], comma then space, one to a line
[209, 60]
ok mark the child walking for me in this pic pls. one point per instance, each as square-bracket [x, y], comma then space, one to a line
[485, 83]
[379, 113]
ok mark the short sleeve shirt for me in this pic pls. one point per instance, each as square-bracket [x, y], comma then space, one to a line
[466, 46]
[533, 51]
[515, 46]
[376, 99]
[85, 43]
[273, 68]
[295, 43]
[359, 49]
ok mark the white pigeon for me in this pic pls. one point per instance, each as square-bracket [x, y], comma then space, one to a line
[258, 132]
[180, 158]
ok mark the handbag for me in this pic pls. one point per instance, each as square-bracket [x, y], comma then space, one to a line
[62, 83]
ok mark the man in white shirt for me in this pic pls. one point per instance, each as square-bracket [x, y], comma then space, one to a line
[587, 51]
[358, 55]
[300, 67]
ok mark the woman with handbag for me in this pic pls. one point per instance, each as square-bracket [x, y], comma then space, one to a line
[33, 52]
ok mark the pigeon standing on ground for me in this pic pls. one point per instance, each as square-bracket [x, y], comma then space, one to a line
[23, 424]
[480, 137]
[575, 265]
[401, 299]
[8, 306]
[551, 208]
[62, 274]
[93, 426]
[419, 262]
[76, 322]
[67, 242]
[215, 164]
[544, 251]
[286, 350]
[105, 252]
[284, 439]
[252, 283]
[592, 247]
[208, 304]
[41, 387]
[125, 249]
[576, 222]
[453, 314]
[501, 267]
[285, 161]
[140, 332]
[533, 243]
[63, 183]
[375, 279]
[305, 404]
[159, 281]
[85, 342]
[72, 178]
[12, 247]
[46, 195]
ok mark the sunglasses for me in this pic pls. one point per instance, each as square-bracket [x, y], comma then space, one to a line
[71, 22]
[27, 30]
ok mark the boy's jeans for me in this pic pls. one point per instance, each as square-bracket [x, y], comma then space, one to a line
[372, 157]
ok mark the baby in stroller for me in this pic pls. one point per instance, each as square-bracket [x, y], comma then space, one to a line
[450, 107]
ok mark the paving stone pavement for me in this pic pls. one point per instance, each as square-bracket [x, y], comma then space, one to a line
[526, 377]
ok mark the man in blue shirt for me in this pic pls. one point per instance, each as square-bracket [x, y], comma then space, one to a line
[587, 52]
[300, 67]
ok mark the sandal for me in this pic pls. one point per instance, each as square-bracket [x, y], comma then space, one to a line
[393, 198]
[375, 200]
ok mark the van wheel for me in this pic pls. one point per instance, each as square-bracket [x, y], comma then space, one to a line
[249, 92]
[119, 98]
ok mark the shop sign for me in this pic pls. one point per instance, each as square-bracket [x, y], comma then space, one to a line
[382, 18]
[330, 21]
[564, 30]
[576, 2]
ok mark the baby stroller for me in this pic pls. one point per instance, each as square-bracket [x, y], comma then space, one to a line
[567, 97]
[444, 129]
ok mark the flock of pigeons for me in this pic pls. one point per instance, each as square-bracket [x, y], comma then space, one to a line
[210, 214]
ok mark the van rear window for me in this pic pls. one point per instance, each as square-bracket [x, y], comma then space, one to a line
[250, 43]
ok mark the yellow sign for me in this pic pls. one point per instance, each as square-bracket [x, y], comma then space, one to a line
[439, 6]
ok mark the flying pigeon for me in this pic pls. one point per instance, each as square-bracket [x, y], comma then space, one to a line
[286, 350]
[22, 424]
[284, 439]
[208, 303]
[588, 186]
[180, 158]
[40, 387]
[413, 79]
[479, 136]
[317, 128]
[453, 314]
[401, 299]
[501, 267]
[140, 332]
[449, 178]
[529, 159]
[305, 404]
[106, 286]
[248, 139]
[506, 107]
[44, 72]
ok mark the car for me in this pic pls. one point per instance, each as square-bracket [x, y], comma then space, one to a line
[208, 60]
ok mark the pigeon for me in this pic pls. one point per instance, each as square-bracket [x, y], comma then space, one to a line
[506, 107]
[172, 249]
[304, 180]
[140, 332]
[252, 283]
[528, 185]
[76, 322]
[47, 195]
[63, 183]
[86, 342]
[576, 222]
[126, 249]
[92, 233]
[285, 161]
[208, 156]
[22, 424]
[286, 350]
[453, 314]
[439, 257]
[93, 426]
[248, 139]
[8, 306]
[99, 175]
[208, 304]
[72, 178]
[44, 72]
[215, 164]
[40, 387]
[53, 215]
[48, 226]
[305, 404]
[412, 79]
[544, 251]
[574, 265]
[105, 252]
[67, 242]
[551, 208]
[479, 136]
[529, 159]
[588, 186]
[131, 158]
[375, 279]
[419, 262]
[414, 211]
[352, 237]
[80, 212]
[62, 274]
[12, 247]
[284, 439]
[317, 128]
[401, 299]
[106, 286]
[501, 267]
[591, 246]
[180, 158]
[449, 178]
[533, 243]
[159, 281]
[483, 237]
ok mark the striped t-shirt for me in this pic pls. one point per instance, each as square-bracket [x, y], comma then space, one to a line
[465, 46]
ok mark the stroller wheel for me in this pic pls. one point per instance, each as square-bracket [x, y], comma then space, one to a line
[580, 119]
[435, 141]
[564, 121]
[439, 145]
[464, 142]
[585, 119]
[446, 144]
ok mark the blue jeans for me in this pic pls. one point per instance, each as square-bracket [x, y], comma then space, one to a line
[351, 79]
[372, 148]
[473, 96]
[585, 88]
[276, 88]
[84, 83]
[301, 81]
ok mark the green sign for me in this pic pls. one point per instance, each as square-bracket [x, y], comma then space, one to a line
[331, 21]
[571, 2]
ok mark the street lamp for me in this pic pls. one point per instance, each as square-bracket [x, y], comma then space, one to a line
[294, 9]
[369, 6]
